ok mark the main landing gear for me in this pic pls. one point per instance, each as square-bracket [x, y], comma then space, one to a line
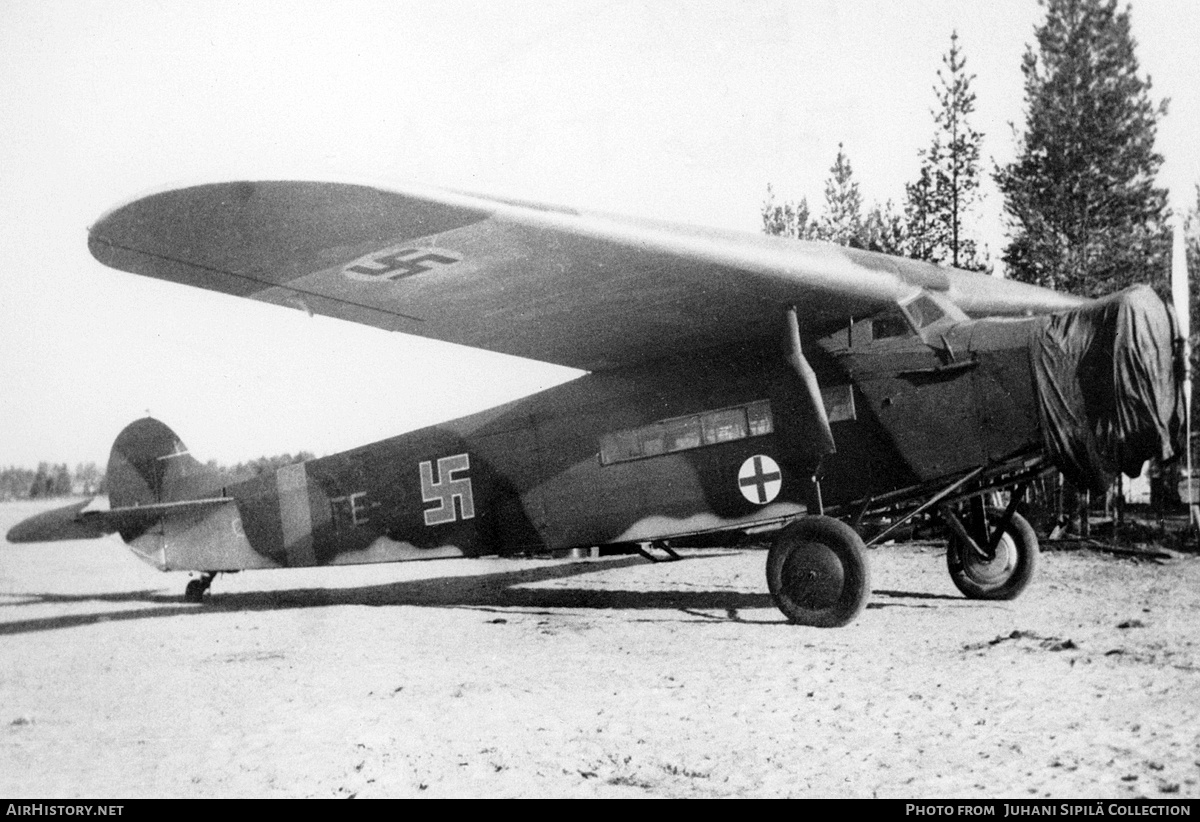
[817, 572]
[197, 588]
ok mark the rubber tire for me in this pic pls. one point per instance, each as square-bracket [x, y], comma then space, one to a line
[1006, 576]
[814, 548]
[194, 592]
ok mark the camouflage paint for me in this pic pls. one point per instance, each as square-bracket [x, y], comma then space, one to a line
[526, 477]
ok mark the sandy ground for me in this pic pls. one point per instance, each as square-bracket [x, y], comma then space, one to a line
[610, 677]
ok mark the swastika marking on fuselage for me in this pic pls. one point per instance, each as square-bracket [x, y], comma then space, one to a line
[398, 264]
[446, 489]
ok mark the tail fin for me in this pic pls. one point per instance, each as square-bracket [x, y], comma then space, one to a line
[150, 472]
[149, 465]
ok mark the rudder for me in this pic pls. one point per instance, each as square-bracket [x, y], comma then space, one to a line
[149, 464]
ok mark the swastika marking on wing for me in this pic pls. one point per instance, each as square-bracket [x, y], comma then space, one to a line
[399, 263]
[446, 489]
[759, 479]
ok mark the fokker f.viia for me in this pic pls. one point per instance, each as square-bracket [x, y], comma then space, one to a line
[736, 383]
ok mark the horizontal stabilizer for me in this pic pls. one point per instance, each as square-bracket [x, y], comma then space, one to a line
[74, 522]
[59, 524]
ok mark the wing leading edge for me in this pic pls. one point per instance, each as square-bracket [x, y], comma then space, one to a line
[582, 289]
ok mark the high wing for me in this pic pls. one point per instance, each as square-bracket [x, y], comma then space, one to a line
[577, 288]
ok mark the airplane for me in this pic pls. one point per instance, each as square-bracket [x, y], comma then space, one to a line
[736, 384]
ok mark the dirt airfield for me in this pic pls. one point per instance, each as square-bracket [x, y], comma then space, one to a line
[610, 677]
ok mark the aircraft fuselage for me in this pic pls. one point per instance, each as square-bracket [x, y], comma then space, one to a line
[719, 441]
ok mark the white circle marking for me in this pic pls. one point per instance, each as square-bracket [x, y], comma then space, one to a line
[759, 479]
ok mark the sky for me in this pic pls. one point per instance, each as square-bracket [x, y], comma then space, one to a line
[677, 110]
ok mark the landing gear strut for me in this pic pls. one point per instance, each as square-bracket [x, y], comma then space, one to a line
[197, 588]
[643, 548]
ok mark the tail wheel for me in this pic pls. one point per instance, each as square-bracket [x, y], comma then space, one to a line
[194, 592]
[1005, 573]
[817, 573]
[197, 588]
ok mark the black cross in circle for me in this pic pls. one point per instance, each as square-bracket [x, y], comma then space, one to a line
[760, 480]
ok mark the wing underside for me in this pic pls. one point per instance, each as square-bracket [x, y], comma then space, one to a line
[580, 289]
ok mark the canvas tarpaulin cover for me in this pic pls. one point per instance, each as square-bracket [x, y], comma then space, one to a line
[1107, 386]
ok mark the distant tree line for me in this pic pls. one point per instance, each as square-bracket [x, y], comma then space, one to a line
[58, 480]
[257, 467]
[50, 480]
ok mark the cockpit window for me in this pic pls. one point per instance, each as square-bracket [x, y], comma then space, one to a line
[920, 313]
[890, 324]
[924, 311]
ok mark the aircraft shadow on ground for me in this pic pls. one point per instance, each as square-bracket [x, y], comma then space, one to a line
[478, 591]
[910, 595]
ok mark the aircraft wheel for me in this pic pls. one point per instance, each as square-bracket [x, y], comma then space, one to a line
[1006, 574]
[817, 573]
[194, 592]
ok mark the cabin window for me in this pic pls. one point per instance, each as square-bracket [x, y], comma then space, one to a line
[685, 433]
[624, 445]
[682, 433]
[759, 416]
[723, 426]
[653, 440]
[839, 402]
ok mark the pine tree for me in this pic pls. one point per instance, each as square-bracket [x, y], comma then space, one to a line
[787, 220]
[956, 160]
[88, 475]
[42, 483]
[16, 483]
[1191, 244]
[924, 233]
[842, 221]
[940, 201]
[884, 230]
[60, 485]
[1085, 213]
